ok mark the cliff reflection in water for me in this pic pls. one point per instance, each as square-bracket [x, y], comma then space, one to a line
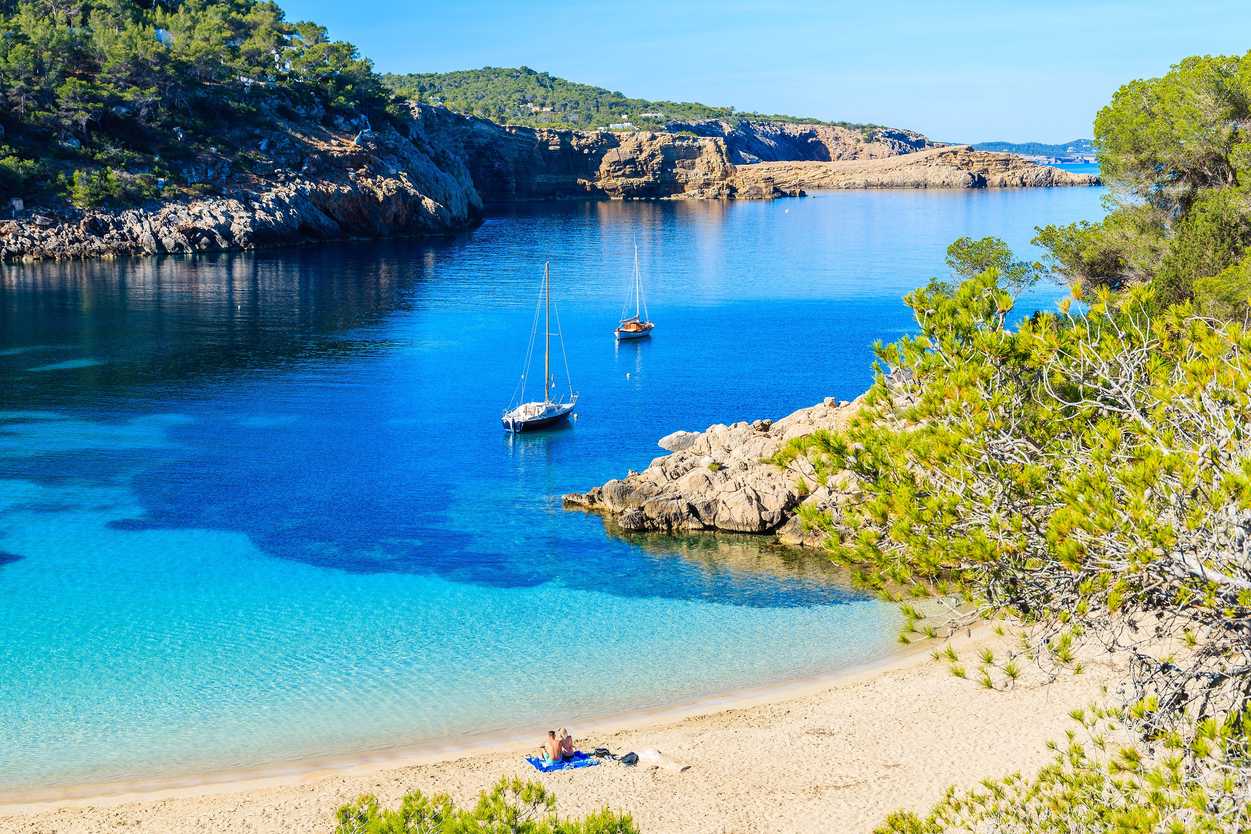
[107, 326]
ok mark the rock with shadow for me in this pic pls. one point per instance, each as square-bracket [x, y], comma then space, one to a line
[722, 479]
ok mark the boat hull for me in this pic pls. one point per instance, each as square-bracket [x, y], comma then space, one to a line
[542, 421]
[631, 335]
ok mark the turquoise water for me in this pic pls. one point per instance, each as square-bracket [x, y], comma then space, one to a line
[1079, 167]
[259, 508]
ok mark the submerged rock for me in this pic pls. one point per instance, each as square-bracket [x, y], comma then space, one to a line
[721, 479]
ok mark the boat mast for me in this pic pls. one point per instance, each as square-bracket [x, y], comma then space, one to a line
[637, 282]
[547, 332]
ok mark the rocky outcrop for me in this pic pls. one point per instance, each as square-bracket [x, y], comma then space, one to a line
[720, 479]
[378, 184]
[433, 174]
[748, 140]
[509, 163]
[947, 167]
[430, 175]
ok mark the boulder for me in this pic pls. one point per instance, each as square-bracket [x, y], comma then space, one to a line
[720, 479]
[678, 440]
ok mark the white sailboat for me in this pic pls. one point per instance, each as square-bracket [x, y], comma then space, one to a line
[526, 416]
[637, 326]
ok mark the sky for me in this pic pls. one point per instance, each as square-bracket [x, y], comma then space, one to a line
[956, 71]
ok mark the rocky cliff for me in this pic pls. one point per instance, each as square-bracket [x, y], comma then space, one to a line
[340, 184]
[719, 479]
[428, 175]
[522, 163]
[943, 167]
[432, 174]
[748, 141]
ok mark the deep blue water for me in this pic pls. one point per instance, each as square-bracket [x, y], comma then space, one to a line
[259, 507]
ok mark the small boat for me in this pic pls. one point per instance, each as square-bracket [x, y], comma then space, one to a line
[636, 326]
[526, 416]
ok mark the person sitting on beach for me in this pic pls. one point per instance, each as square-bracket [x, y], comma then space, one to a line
[566, 743]
[552, 747]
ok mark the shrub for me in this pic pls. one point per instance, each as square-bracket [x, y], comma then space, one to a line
[1087, 476]
[17, 175]
[89, 189]
[511, 807]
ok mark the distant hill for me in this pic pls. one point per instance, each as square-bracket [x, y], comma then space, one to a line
[523, 96]
[1078, 147]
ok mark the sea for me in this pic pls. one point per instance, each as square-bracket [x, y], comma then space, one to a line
[257, 510]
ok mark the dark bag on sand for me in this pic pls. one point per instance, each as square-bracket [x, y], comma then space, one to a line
[603, 753]
[629, 759]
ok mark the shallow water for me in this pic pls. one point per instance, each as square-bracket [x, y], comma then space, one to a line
[255, 508]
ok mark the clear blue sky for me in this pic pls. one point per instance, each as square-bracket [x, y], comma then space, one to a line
[958, 71]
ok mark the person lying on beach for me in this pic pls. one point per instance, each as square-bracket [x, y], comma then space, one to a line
[551, 747]
[566, 743]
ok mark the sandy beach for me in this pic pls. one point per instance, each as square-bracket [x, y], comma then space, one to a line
[832, 755]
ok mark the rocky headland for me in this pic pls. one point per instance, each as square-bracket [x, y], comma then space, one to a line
[722, 479]
[942, 167]
[749, 141]
[510, 163]
[323, 184]
[433, 173]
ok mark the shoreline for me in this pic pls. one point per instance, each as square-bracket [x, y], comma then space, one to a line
[299, 770]
[832, 753]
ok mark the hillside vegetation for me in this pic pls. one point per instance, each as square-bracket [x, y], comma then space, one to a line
[117, 100]
[1176, 154]
[522, 96]
[1077, 146]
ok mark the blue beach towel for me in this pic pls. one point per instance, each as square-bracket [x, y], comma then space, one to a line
[579, 759]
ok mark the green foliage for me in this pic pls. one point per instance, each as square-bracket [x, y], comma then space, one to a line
[1167, 139]
[17, 175]
[1088, 477]
[523, 96]
[92, 189]
[1063, 474]
[511, 807]
[1176, 152]
[125, 84]
[89, 189]
[1211, 236]
[968, 257]
[1227, 293]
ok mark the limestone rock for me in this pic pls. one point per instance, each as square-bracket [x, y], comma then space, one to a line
[509, 162]
[720, 479]
[943, 167]
[678, 440]
[753, 140]
[393, 187]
